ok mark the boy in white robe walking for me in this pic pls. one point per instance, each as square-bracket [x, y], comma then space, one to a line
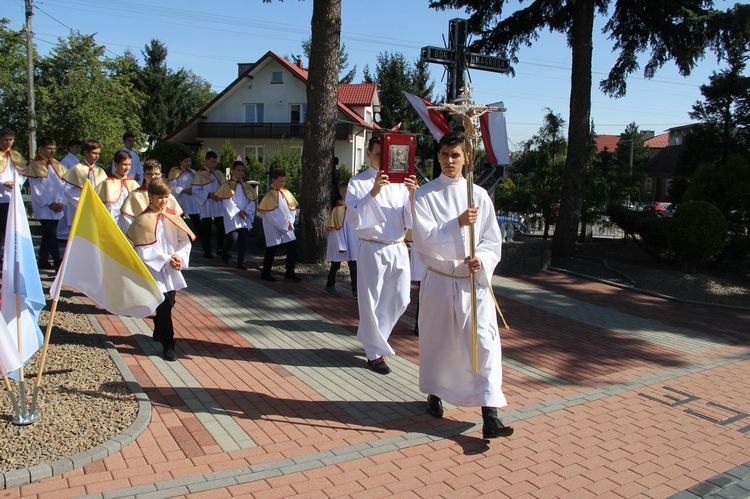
[379, 212]
[441, 235]
[163, 241]
[239, 202]
[342, 245]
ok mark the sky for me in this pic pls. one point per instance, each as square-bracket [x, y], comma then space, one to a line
[210, 38]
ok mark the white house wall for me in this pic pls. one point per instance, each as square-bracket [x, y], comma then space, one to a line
[276, 97]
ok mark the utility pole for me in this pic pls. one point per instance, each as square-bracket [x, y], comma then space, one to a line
[30, 81]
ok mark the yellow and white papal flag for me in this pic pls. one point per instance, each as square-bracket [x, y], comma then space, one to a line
[101, 263]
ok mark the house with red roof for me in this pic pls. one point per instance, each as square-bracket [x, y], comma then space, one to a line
[264, 110]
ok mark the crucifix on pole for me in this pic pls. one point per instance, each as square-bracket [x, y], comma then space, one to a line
[457, 60]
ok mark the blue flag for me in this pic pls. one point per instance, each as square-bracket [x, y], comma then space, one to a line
[21, 283]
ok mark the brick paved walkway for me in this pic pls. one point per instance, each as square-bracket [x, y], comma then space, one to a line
[612, 394]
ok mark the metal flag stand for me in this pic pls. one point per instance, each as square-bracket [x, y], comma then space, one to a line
[470, 113]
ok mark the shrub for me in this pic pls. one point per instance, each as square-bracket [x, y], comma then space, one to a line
[653, 232]
[168, 154]
[698, 232]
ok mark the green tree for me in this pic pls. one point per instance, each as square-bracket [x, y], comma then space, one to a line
[394, 75]
[172, 96]
[343, 61]
[625, 175]
[680, 31]
[80, 96]
[13, 84]
[534, 176]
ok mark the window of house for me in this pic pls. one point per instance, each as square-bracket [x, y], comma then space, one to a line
[277, 77]
[254, 113]
[297, 113]
[668, 186]
[368, 116]
[254, 152]
[647, 185]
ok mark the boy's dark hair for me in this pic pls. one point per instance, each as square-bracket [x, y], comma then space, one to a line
[151, 165]
[212, 154]
[277, 172]
[159, 187]
[237, 163]
[90, 145]
[452, 139]
[7, 132]
[184, 155]
[45, 141]
[74, 142]
[121, 156]
[127, 135]
[373, 140]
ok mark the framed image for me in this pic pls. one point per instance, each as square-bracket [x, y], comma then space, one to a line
[397, 153]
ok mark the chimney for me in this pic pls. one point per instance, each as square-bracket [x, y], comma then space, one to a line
[647, 134]
[243, 66]
[299, 63]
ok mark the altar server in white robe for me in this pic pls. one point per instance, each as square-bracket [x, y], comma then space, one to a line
[163, 241]
[115, 189]
[279, 209]
[239, 202]
[441, 235]
[379, 212]
[85, 171]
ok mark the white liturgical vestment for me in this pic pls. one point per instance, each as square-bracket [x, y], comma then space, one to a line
[445, 324]
[383, 281]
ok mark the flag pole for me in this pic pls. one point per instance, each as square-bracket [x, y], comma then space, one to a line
[43, 358]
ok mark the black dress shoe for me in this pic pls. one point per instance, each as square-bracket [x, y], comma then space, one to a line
[268, 278]
[292, 277]
[241, 267]
[494, 428]
[225, 259]
[44, 265]
[207, 254]
[434, 406]
[379, 366]
[169, 354]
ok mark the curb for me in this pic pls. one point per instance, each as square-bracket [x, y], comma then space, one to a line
[23, 476]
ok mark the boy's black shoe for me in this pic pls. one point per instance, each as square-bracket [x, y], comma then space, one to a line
[292, 277]
[434, 406]
[169, 354]
[494, 428]
[225, 259]
[207, 254]
[44, 265]
[241, 266]
[379, 366]
[268, 277]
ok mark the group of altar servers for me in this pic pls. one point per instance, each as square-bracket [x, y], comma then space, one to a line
[377, 213]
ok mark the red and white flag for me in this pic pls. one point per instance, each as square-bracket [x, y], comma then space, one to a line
[495, 135]
[433, 118]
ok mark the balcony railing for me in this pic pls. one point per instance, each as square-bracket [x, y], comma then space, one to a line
[209, 130]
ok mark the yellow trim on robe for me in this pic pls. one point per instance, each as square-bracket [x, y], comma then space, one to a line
[336, 219]
[78, 174]
[227, 190]
[143, 229]
[18, 161]
[270, 201]
[176, 171]
[38, 168]
[204, 177]
[137, 202]
[110, 190]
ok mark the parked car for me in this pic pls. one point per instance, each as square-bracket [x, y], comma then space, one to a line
[659, 208]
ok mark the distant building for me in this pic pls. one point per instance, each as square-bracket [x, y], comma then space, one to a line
[265, 109]
[661, 168]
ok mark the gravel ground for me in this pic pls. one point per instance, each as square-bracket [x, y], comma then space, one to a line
[83, 400]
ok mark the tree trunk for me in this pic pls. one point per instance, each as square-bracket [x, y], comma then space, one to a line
[581, 42]
[320, 127]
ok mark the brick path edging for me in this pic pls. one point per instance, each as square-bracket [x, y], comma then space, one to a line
[16, 478]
